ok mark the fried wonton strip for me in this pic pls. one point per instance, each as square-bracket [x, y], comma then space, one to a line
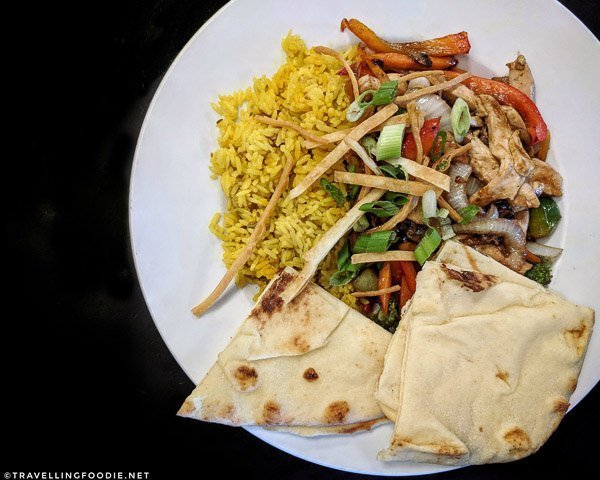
[376, 293]
[453, 214]
[403, 99]
[338, 152]
[364, 156]
[443, 163]
[409, 76]
[285, 124]
[319, 251]
[338, 55]
[340, 134]
[391, 256]
[256, 236]
[416, 123]
[422, 172]
[364, 190]
[386, 183]
[404, 212]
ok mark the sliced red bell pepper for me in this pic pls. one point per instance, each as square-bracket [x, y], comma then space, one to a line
[428, 133]
[508, 95]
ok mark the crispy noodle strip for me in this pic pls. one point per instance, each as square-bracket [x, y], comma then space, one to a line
[403, 99]
[364, 190]
[416, 123]
[391, 256]
[376, 293]
[453, 214]
[449, 156]
[340, 134]
[319, 251]
[338, 55]
[409, 76]
[402, 215]
[285, 124]
[257, 234]
[338, 152]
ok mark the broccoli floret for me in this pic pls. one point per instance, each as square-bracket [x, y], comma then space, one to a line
[389, 321]
[541, 272]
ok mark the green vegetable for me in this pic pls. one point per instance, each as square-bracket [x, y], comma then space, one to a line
[389, 144]
[430, 241]
[346, 271]
[468, 213]
[334, 191]
[381, 208]
[543, 220]
[460, 119]
[442, 165]
[391, 171]
[435, 152]
[352, 189]
[374, 242]
[361, 224]
[396, 198]
[541, 272]
[391, 320]
[369, 144]
[386, 94]
[366, 281]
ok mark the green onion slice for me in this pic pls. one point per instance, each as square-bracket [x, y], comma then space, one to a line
[334, 191]
[344, 256]
[428, 244]
[353, 190]
[429, 204]
[369, 144]
[389, 144]
[381, 208]
[460, 119]
[361, 224]
[396, 198]
[374, 242]
[467, 213]
[386, 93]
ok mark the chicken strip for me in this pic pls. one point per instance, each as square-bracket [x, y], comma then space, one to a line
[519, 76]
[545, 175]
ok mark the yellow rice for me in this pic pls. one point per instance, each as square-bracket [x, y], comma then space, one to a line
[305, 90]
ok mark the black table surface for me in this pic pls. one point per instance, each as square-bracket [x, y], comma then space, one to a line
[89, 384]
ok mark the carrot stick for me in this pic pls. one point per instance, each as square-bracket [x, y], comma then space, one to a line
[408, 268]
[399, 61]
[532, 257]
[385, 281]
[405, 292]
[396, 273]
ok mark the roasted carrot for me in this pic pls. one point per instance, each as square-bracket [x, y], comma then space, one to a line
[370, 38]
[532, 257]
[508, 95]
[453, 44]
[385, 281]
[399, 61]
[409, 275]
[405, 292]
[396, 273]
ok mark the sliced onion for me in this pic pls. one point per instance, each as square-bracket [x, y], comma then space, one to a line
[429, 204]
[492, 212]
[543, 250]
[510, 231]
[473, 185]
[419, 82]
[457, 196]
[434, 106]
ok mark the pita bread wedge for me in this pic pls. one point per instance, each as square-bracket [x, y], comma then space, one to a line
[309, 367]
[484, 366]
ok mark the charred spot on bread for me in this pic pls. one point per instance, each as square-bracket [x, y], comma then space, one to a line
[475, 281]
[310, 374]
[336, 412]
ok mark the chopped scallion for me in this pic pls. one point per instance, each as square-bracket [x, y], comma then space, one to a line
[396, 198]
[334, 191]
[389, 144]
[428, 244]
[467, 213]
[374, 242]
[460, 119]
[361, 224]
[442, 213]
[353, 190]
[386, 93]
[369, 144]
[381, 208]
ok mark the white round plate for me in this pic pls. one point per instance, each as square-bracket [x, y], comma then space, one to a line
[172, 197]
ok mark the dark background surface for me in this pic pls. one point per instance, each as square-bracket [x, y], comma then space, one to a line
[87, 381]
